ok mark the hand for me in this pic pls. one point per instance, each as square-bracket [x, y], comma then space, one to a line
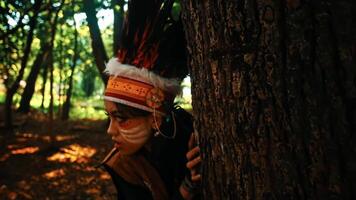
[194, 159]
[191, 183]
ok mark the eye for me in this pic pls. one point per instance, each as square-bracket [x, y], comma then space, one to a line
[106, 113]
[120, 119]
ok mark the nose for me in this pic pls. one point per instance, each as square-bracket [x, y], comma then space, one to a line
[111, 130]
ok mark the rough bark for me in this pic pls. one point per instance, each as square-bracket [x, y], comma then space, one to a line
[13, 89]
[273, 88]
[97, 44]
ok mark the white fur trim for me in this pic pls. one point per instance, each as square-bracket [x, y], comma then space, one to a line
[115, 68]
[129, 103]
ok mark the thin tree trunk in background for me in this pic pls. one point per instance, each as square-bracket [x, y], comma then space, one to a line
[51, 101]
[97, 44]
[60, 89]
[44, 78]
[66, 105]
[13, 89]
[31, 79]
[42, 55]
[118, 9]
[61, 80]
[274, 97]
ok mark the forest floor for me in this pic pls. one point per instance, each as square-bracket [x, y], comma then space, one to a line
[40, 159]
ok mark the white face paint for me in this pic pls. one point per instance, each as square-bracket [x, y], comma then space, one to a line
[131, 134]
[138, 134]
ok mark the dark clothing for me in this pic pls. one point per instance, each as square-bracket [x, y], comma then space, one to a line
[167, 156]
[126, 190]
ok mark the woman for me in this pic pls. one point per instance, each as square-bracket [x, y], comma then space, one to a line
[151, 158]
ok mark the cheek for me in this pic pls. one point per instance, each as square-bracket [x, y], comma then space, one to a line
[131, 148]
[129, 124]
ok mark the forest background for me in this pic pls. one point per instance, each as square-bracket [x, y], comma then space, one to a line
[52, 120]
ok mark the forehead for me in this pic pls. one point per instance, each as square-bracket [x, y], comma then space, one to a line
[110, 106]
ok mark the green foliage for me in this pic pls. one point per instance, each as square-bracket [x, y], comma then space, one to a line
[176, 10]
[92, 108]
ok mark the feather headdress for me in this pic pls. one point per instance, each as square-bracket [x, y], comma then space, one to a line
[151, 60]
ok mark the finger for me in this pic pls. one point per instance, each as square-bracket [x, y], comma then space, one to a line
[193, 162]
[193, 153]
[191, 141]
[196, 178]
[193, 172]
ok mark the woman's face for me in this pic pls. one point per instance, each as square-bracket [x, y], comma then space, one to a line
[130, 134]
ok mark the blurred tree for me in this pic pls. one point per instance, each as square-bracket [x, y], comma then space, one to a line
[66, 105]
[98, 47]
[51, 62]
[15, 85]
[44, 81]
[274, 97]
[118, 9]
[88, 81]
[42, 55]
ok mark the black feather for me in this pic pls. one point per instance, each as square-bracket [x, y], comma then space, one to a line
[152, 39]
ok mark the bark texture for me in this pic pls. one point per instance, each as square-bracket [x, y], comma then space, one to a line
[274, 97]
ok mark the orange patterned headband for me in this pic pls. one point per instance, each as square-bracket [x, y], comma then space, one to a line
[137, 94]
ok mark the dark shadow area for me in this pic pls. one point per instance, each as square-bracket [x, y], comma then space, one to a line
[40, 159]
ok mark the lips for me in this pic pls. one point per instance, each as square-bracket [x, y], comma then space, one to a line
[117, 144]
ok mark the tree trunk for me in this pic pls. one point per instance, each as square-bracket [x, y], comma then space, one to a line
[274, 97]
[51, 81]
[44, 78]
[66, 105]
[13, 89]
[97, 44]
[31, 80]
[118, 8]
[38, 63]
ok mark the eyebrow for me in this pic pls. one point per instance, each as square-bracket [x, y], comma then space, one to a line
[117, 113]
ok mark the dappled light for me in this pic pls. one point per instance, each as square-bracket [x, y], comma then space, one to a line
[73, 153]
[37, 164]
[26, 150]
[27, 135]
[54, 174]
[92, 191]
[23, 137]
[63, 137]
[105, 176]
